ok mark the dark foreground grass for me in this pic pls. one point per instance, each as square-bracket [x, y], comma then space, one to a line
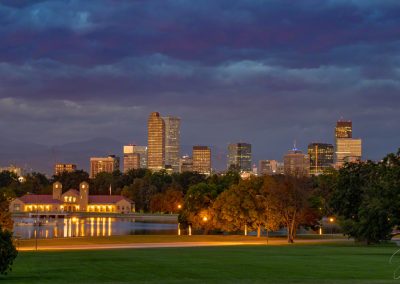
[242, 264]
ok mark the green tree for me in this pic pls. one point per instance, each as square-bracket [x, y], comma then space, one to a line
[6, 195]
[289, 199]
[245, 204]
[71, 180]
[366, 199]
[8, 252]
[197, 206]
[141, 192]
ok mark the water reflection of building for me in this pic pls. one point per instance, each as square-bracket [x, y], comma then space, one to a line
[72, 201]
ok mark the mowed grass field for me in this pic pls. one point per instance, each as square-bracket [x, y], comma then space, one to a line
[340, 263]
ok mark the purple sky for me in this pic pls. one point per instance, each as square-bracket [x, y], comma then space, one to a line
[263, 72]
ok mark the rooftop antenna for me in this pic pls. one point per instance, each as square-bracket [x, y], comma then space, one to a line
[294, 145]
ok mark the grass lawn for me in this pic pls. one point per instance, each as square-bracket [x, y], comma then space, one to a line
[155, 239]
[241, 264]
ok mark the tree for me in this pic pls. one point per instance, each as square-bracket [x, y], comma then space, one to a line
[8, 252]
[168, 201]
[197, 206]
[366, 199]
[141, 192]
[289, 198]
[6, 195]
[244, 205]
[71, 180]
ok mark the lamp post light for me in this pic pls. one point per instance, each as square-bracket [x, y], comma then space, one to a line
[331, 220]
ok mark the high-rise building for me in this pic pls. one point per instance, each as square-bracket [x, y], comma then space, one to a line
[12, 169]
[156, 142]
[186, 164]
[131, 158]
[239, 156]
[296, 163]
[348, 150]
[172, 141]
[344, 129]
[103, 164]
[60, 168]
[267, 167]
[321, 157]
[202, 159]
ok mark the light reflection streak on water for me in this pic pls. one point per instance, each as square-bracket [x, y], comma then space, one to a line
[90, 227]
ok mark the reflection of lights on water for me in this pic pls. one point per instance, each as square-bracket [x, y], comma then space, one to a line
[98, 227]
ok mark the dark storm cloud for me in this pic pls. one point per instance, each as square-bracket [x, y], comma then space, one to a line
[267, 72]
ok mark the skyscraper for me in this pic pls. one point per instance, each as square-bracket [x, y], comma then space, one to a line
[60, 168]
[296, 163]
[344, 129]
[321, 157]
[186, 164]
[201, 158]
[347, 148]
[103, 164]
[156, 142]
[131, 159]
[267, 167]
[172, 142]
[142, 151]
[239, 156]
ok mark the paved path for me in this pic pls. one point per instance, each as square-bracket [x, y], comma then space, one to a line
[173, 245]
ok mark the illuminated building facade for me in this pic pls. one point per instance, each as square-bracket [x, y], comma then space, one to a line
[142, 151]
[347, 147]
[186, 164]
[239, 156]
[156, 142]
[201, 158]
[71, 201]
[60, 168]
[348, 150]
[131, 158]
[321, 157]
[12, 169]
[344, 129]
[103, 164]
[172, 142]
[296, 163]
[268, 167]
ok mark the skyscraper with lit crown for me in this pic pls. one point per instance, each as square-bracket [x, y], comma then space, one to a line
[348, 149]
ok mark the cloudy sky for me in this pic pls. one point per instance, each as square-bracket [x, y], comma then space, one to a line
[263, 72]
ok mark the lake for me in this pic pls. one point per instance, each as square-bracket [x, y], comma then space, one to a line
[88, 227]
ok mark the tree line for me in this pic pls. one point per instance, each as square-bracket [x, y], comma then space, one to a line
[364, 198]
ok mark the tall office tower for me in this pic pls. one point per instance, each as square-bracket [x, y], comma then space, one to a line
[186, 164]
[344, 129]
[103, 164]
[131, 158]
[348, 150]
[296, 163]
[156, 142]
[239, 156]
[172, 142]
[60, 168]
[202, 159]
[321, 157]
[142, 151]
[267, 167]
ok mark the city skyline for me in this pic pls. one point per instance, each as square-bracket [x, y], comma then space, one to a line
[287, 72]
